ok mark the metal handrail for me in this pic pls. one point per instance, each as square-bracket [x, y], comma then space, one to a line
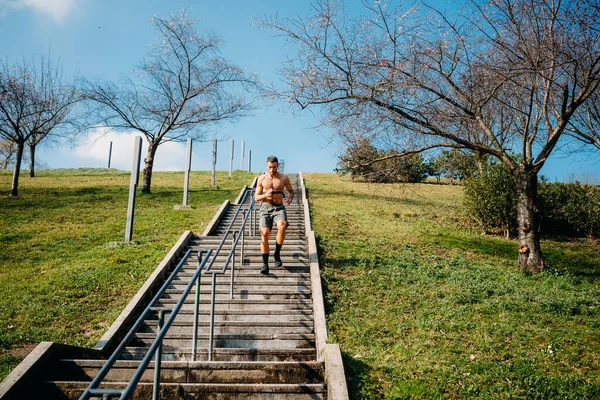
[93, 391]
[237, 235]
[156, 346]
[229, 230]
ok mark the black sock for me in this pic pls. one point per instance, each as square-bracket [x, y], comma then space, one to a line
[277, 250]
[265, 258]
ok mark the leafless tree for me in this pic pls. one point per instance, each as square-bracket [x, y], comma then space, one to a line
[502, 78]
[183, 84]
[34, 103]
[585, 124]
[7, 154]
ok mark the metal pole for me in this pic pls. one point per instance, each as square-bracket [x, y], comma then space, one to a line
[197, 308]
[235, 234]
[214, 162]
[133, 182]
[242, 156]
[158, 359]
[212, 317]
[188, 167]
[249, 160]
[242, 251]
[231, 159]
[252, 221]
[109, 154]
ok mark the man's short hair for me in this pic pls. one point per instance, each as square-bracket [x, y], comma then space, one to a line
[272, 159]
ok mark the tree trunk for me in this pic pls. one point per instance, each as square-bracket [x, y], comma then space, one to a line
[6, 162]
[14, 191]
[148, 165]
[31, 160]
[530, 253]
[480, 158]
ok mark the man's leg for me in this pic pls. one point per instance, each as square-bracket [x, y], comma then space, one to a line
[265, 232]
[281, 227]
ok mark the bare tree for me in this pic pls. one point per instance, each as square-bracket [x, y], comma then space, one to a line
[34, 104]
[501, 79]
[7, 153]
[585, 124]
[184, 83]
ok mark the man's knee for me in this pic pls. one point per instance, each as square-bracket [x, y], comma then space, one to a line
[282, 225]
[265, 233]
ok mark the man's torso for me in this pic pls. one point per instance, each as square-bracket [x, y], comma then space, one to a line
[277, 183]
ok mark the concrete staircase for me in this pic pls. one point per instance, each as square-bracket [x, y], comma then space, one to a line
[264, 338]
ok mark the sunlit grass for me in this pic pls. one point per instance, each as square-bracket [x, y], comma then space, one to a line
[424, 307]
[63, 277]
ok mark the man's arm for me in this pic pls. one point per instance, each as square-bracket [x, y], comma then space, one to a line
[258, 195]
[259, 189]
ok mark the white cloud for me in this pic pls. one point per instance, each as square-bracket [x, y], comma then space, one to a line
[94, 150]
[57, 9]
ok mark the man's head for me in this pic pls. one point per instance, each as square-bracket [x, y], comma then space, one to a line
[272, 165]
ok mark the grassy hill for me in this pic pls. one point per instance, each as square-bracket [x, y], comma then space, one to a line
[422, 305]
[63, 278]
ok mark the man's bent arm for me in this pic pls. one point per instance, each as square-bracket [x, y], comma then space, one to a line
[259, 190]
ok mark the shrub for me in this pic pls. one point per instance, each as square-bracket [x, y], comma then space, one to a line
[456, 164]
[490, 198]
[582, 208]
[571, 209]
[359, 161]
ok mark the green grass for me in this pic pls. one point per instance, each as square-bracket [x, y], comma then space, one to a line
[421, 305]
[62, 278]
[424, 307]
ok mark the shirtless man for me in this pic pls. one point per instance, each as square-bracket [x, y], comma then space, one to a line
[269, 190]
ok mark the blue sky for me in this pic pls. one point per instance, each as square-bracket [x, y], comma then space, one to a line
[108, 38]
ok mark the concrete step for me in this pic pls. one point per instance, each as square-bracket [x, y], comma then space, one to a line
[258, 285]
[244, 294]
[225, 354]
[256, 257]
[251, 243]
[228, 216]
[288, 270]
[293, 231]
[254, 254]
[259, 305]
[201, 240]
[249, 277]
[230, 327]
[208, 391]
[249, 316]
[244, 291]
[265, 372]
[282, 341]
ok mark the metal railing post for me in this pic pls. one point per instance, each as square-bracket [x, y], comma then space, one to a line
[242, 250]
[212, 318]
[235, 235]
[255, 222]
[158, 359]
[247, 219]
[201, 254]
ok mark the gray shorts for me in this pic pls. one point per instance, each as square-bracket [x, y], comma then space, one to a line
[270, 213]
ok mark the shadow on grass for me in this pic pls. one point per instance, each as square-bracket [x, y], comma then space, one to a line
[483, 245]
[374, 197]
[358, 379]
[576, 264]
